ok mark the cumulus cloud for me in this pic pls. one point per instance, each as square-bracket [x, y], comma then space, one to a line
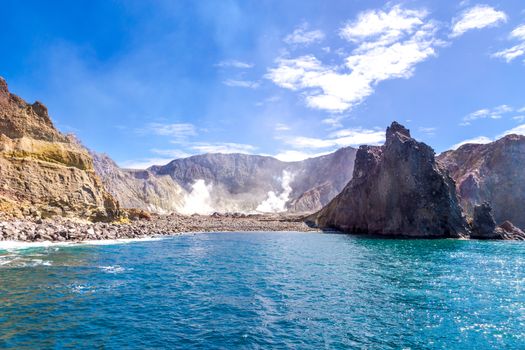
[302, 36]
[477, 17]
[487, 113]
[241, 83]
[390, 43]
[517, 50]
[234, 64]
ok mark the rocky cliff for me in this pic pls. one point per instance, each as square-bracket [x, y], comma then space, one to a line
[139, 189]
[43, 172]
[492, 173]
[240, 182]
[397, 189]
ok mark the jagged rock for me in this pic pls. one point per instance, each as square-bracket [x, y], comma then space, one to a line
[43, 172]
[397, 189]
[511, 232]
[491, 173]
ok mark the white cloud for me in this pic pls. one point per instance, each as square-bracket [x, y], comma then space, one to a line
[477, 17]
[337, 139]
[144, 163]
[241, 83]
[281, 127]
[295, 156]
[222, 147]
[487, 113]
[177, 130]
[430, 131]
[302, 36]
[475, 140]
[519, 118]
[234, 64]
[173, 153]
[517, 50]
[518, 130]
[388, 48]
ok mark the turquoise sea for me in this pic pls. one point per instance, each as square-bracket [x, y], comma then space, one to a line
[265, 291]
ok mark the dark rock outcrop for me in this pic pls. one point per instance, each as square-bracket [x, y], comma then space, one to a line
[484, 226]
[397, 189]
[43, 172]
[492, 173]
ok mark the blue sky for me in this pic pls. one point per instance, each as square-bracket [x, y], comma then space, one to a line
[149, 81]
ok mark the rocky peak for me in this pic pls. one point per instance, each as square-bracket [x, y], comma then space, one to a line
[397, 189]
[397, 130]
[41, 111]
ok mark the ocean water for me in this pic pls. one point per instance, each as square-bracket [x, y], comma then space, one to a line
[264, 291]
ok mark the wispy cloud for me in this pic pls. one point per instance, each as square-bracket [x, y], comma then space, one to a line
[222, 147]
[389, 45]
[477, 17]
[234, 64]
[475, 140]
[429, 131]
[175, 130]
[302, 36]
[340, 138]
[281, 127]
[487, 113]
[294, 155]
[241, 83]
[144, 163]
[518, 130]
[172, 153]
[517, 50]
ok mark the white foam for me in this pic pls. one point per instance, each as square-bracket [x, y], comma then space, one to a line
[17, 245]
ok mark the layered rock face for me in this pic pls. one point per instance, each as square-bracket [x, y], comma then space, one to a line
[397, 189]
[492, 173]
[139, 188]
[43, 172]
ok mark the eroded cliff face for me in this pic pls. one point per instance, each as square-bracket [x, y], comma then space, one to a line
[492, 173]
[397, 189]
[43, 172]
[139, 189]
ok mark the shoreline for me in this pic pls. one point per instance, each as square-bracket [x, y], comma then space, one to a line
[63, 230]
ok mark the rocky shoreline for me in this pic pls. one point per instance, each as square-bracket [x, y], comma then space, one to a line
[62, 230]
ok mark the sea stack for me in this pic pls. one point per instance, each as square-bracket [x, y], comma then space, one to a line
[397, 189]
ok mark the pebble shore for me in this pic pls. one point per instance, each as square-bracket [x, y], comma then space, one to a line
[61, 230]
